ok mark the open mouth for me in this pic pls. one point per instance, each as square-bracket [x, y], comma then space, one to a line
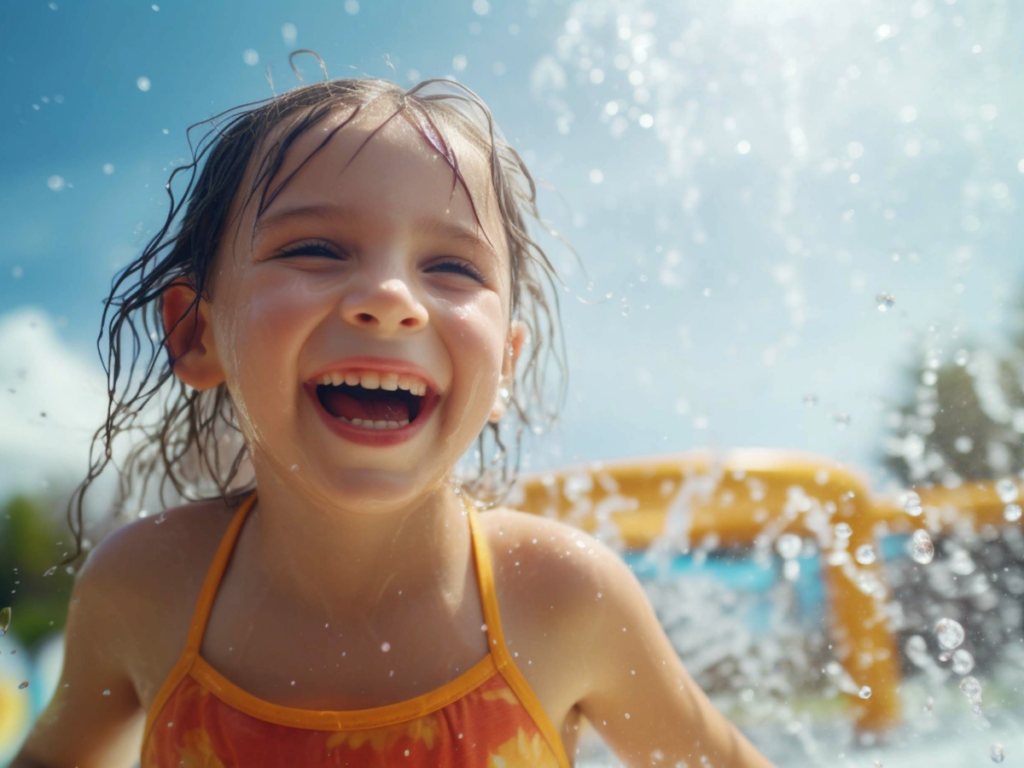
[371, 408]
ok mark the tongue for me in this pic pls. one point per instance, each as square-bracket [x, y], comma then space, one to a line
[383, 407]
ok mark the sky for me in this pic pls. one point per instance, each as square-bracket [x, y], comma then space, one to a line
[744, 182]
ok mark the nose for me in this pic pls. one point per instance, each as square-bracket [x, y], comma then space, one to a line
[387, 306]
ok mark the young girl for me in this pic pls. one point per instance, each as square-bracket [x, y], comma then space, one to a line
[350, 288]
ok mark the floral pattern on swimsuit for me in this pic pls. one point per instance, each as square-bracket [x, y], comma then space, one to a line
[487, 727]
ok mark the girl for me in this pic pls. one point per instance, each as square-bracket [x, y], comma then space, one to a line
[350, 289]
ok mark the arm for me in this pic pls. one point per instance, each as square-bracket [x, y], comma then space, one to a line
[641, 699]
[82, 727]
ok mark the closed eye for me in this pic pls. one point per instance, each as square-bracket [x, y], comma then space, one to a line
[466, 269]
[309, 249]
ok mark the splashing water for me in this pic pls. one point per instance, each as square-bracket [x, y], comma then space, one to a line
[922, 549]
[950, 633]
[1007, 491]
[963, 661]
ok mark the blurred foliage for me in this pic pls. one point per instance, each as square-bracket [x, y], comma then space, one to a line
[963, 421]
[965, 426]
[30, 544]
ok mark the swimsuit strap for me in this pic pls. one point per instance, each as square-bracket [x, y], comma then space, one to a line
[496, 637]
[213, 577]
[485, 583]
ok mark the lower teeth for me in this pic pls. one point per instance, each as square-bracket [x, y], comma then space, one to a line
[370, 424]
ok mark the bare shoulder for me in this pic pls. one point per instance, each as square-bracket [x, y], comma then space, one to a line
[573, 565]
[156, 547]
[148, 573]
[115, 637]
[598, 639]
[553, 582]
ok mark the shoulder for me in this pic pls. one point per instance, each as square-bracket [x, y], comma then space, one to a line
[159, 544]
[576, 567]
[597, 635]
[145, 574]
[561, 583]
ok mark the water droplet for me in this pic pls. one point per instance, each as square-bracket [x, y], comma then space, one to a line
[865, 692]
[921, 547]
[963, 444]
[106, 692]
[971, 688]
[143, 84]
[1007, 490]
[289, 33]
[386, 647]
[51, 570]
[865, 554]
[911, 503]
[843, 530]
[963, 661]
[950, 633]
[810, 400]
[996, 752]
[294, 467]
[23, 686]
[884, 300]
[841, 419]
[1012, 513]
[251, 57]
[789, 545]
[56, 183]
[5, 620]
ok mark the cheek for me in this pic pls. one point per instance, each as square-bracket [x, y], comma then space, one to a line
[479, 332]
[273, 310]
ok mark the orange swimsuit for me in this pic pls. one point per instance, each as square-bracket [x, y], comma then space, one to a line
[487, 717]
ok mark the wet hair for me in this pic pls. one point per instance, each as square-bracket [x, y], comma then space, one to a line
[185, 446]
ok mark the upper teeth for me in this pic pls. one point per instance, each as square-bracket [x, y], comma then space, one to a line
[374, 380]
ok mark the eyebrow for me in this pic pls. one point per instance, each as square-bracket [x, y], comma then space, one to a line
[427, 226]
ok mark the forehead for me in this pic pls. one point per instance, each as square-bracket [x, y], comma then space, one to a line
[380, 166]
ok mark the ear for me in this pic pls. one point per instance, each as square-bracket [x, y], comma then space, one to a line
[513, 346]
[190, 343]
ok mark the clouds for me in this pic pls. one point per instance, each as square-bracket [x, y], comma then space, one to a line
[52, 401]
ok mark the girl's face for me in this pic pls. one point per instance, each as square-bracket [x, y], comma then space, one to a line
[357, 263]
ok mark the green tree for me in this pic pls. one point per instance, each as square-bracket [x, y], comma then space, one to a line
[28, 549]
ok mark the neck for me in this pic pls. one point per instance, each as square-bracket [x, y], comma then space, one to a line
[334, 561]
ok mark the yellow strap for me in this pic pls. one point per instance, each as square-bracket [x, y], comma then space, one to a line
[213, 576]
[503, 659]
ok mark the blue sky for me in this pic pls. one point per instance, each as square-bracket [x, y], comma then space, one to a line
[744, 178]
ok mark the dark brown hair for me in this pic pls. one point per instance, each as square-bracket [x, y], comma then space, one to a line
[185, 440]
